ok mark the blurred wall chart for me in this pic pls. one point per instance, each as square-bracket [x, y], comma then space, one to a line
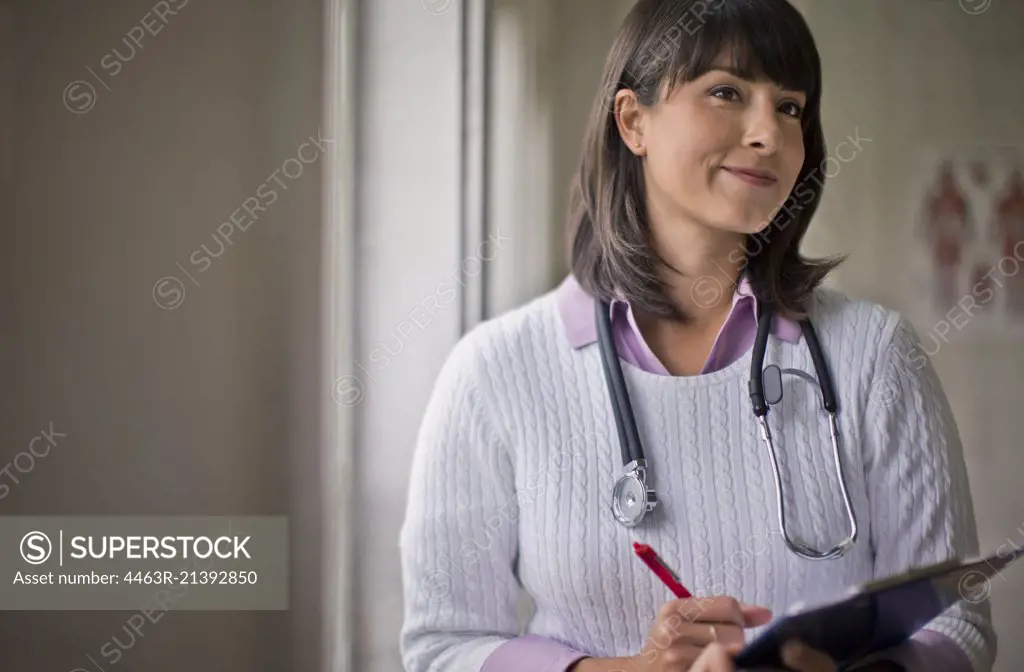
[970, 225]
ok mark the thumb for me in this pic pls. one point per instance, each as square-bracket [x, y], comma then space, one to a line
[799, 657]
[754, 615]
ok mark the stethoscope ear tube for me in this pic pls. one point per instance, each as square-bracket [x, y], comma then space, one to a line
[625, 422]
[756, 383]
[828, 396]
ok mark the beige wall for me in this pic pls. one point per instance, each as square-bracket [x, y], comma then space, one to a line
[921, 78]
[183, 411]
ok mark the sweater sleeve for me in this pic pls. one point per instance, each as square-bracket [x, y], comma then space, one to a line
[459, 538]
[921, 506]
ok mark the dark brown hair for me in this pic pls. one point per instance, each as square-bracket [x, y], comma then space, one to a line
[660, 45]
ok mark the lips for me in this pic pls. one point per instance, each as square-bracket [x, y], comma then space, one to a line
[757, 178]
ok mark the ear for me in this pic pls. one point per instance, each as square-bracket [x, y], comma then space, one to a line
[630, 118]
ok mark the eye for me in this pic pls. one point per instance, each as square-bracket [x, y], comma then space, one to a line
[796, 110]
[725, 93]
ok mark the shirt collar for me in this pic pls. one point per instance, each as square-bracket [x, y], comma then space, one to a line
[576, 309]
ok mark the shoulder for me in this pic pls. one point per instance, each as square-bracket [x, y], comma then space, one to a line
[501, 343]
[876, 331]
[877, 352]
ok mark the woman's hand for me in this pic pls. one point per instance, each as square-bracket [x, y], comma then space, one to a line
[684, 628]
[704, 635]
[716, 658]
[798, 657]
[683, 634]
[803, 659]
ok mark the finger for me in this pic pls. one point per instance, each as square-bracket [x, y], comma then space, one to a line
[728, 609]
[678, 657]
[704, 633]
[674, 631]
[805, 659]
[717, 609]
[716, 658]
[816, 660]
[755, 615]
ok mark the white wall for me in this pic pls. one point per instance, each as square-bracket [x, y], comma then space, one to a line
[408, 263]
[209, 408]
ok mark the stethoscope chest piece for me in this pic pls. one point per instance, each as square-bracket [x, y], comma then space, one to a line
[631, 498]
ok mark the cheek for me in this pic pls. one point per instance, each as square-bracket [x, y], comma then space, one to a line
[686, 158]
[682, 148]
[675, 167]
[793, 160]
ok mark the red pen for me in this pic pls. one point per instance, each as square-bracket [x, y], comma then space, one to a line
[667, 576]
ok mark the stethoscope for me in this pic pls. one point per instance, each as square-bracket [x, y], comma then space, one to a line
[632, 499]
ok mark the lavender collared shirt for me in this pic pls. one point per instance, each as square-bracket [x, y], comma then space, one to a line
[734, 338]
[926, 651]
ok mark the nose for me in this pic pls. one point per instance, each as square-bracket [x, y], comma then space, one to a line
[763, 131]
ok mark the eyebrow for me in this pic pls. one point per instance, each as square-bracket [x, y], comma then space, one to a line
[747, 75]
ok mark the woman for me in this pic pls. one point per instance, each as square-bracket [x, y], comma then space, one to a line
[702, 167]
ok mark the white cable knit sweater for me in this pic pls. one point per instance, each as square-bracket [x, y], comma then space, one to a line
[518, 452]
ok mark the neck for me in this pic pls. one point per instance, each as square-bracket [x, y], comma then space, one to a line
[703, 265]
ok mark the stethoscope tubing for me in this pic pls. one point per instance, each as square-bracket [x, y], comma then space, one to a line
[625, 421]
[634, 460]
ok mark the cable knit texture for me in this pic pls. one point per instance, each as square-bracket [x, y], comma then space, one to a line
[518, 452]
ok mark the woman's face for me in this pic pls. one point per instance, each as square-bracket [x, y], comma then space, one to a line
[722, 151]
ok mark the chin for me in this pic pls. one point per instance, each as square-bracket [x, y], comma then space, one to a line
[759, 224]
[744, 222]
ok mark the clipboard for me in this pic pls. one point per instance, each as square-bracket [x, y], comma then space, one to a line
[874, 616]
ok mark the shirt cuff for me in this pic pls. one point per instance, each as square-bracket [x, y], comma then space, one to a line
[928, 650]
[531, 652]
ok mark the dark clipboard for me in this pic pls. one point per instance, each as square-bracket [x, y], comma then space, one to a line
[877, 615]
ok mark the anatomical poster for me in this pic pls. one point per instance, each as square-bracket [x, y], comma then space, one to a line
[970, 228]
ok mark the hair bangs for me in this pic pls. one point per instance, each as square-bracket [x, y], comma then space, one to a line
[761, 40]
[663, 44]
